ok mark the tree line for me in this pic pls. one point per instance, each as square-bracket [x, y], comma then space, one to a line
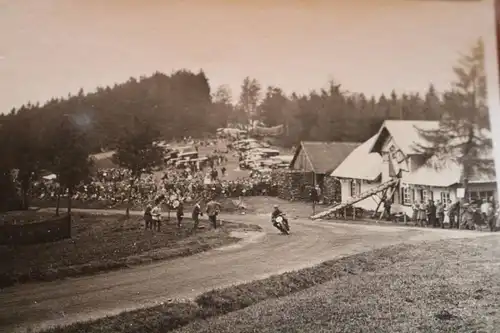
[60, 135]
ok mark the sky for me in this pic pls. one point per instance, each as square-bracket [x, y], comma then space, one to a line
[49, 48]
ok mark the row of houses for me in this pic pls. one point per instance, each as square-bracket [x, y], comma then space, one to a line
[389, 164]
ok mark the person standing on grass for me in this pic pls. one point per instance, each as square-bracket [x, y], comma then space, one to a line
[422, 214]
[214, 174]
[431, 213]
[156, 214]
[414, 212]
[466, 217]
[196, 215]
[454, 209]
[497, 216]
[148, 217]
[213, 209]
[493, 215]
[490, 215]
[450, 213]
[387, 208]
[440, 214]
[446, 212]
[486, 212]
[314, 195]
[179, 213]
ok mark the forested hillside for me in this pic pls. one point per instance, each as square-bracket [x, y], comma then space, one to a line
[182, 104]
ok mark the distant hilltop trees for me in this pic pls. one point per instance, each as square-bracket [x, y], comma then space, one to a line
[182, 104]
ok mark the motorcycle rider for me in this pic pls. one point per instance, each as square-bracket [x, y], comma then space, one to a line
[277, 212]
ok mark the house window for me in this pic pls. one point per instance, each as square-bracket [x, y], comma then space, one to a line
[392, 152]
[400, 157]
[425, 195]
[479, 195]
[445, 196]
[407, 196]
[355, 185]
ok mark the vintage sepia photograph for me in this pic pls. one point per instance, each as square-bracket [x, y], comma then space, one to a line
[248, 166]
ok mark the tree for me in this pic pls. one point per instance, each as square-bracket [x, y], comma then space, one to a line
[463, 133]
[293, 127]
[223, 111]
[137, 152]
[9, 198]
[69, 154]
[26, 155]
[272, 108]
[223, 95]
[395, 108]
[249, 97]
[432, 104]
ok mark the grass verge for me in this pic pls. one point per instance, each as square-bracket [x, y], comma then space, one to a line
[103, 243]
[210, 305]
[447, 286]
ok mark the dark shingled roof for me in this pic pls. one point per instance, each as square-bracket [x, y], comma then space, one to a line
[325, 156]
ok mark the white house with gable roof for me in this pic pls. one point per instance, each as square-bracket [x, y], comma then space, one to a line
[392, 153]
[359, 172]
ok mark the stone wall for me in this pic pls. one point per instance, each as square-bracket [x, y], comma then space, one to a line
[293, 185]
[296, 185]
[50, 230]
[331, 190]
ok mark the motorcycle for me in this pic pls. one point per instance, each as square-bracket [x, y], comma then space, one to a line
[281, 223]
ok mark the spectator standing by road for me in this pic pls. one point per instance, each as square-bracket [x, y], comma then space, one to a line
[314, 195]
[487, 214]
[387, 208]
[431, 214]
[213, 209]
[420, 216]
[148, 217]
[179, 213]
[196, 215]
[453, 211]
[414, 212]
[156, 214]
[440, 214]
[446, 210]
[214, 174]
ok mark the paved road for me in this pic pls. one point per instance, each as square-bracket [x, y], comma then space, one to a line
[259, 255]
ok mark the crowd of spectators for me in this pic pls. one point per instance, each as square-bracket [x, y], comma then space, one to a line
[111, 187]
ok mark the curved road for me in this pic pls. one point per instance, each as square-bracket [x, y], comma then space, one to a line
[258, 255]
